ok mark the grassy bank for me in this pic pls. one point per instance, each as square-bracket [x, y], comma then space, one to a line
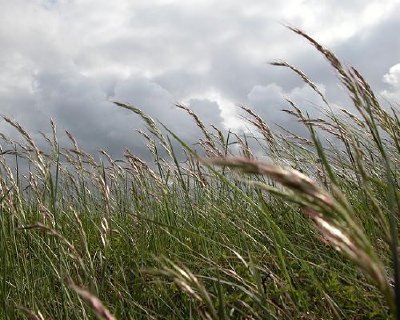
[310, 234]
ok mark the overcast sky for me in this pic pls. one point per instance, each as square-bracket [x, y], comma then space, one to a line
[67, 59]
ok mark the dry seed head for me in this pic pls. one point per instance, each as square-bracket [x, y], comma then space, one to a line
[198, 122]
[302, 76]
[109, 158]
[54, 130]
[40, 162]
[209, 148]
[144, 134]
[344, 242]
[189, 283]
[288, 177]
[96, 305]
[151, 124]
[45, 137]
[328, 54]
[48, 217]
[31, 314]
[220, 135]
[296, 111]
[82, 233]
[354, 118]
[104, 231]
[137, 163]
[73, 253]
[332, 233]
[71, 137]
[260, 124]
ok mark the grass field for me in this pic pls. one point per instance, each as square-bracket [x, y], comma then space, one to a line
[310, 233]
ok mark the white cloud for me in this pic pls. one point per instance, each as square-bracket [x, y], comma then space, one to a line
[393, 76]
[393, 79]
[227, 109]
[65, 58]
[337, 21]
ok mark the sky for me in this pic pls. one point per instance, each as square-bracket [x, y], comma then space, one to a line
[67, 60]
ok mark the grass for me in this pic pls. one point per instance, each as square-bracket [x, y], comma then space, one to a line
[219, 234]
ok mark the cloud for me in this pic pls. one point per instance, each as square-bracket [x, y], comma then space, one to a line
[392, 78]
[67, 59]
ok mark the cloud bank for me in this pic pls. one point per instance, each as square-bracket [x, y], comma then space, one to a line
[68, 59]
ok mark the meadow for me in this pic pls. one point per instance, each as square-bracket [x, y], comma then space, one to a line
[209, 231]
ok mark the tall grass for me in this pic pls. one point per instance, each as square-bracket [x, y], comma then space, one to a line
[312, 234]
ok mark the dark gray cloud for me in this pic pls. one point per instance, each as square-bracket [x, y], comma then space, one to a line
[68, 60]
